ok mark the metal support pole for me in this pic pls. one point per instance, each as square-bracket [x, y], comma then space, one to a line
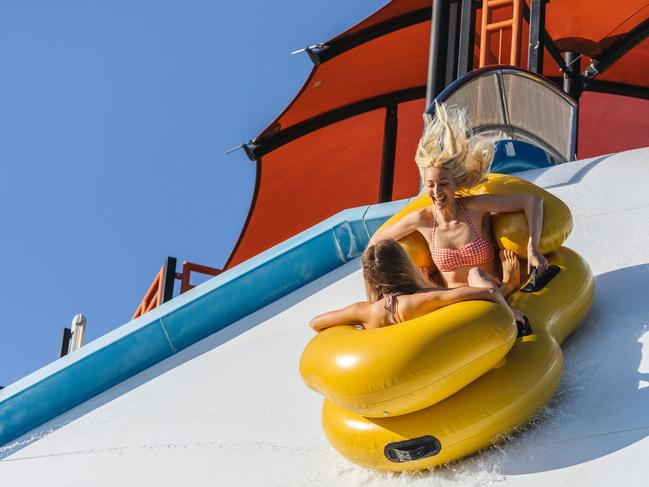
[438, 49]
[467, 37]
[548, 42]
[168, 279]
[572, 85]
[537, 37]
[65, 341]
[619, 48]
[389, 153]
[453, 42]
[78, 328]
[571, 77]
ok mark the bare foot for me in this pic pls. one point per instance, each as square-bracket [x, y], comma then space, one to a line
[511, 269]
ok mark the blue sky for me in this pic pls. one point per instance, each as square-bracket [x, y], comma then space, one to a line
[114, 117]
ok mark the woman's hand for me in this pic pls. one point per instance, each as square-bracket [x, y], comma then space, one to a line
[354, 314]
[535, 259]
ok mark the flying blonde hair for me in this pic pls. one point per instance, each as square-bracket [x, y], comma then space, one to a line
[447, 143]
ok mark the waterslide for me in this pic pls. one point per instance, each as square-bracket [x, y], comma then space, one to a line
[231, 409]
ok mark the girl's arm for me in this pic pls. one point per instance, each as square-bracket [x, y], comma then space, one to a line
[400, 229]
[532, 205]
[354, 314]
[430, 301]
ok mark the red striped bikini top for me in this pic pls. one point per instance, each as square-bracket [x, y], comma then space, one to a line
[390, 306]
[473, 254]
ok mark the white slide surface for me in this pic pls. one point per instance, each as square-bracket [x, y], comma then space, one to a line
[232, 410]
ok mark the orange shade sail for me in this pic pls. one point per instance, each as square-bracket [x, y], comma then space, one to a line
[325, 149]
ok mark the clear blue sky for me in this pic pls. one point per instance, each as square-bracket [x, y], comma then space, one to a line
[114, 116]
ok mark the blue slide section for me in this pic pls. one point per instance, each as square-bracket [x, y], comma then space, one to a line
[513, 156]
[188, 318]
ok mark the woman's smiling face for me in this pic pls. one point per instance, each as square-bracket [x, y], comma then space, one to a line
[439, 185]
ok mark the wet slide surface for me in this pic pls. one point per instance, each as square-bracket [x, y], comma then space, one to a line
[232, 409]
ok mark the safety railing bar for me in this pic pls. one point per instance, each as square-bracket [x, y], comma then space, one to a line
[502, 25]
[499, 3]
[188, 268]
[150, 296]
[161, 290]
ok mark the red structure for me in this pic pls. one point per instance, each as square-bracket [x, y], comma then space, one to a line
[349, 136]
[162, 287]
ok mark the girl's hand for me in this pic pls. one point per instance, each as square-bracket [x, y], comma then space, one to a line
[536, 259]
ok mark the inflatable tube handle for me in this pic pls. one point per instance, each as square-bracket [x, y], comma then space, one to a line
[414, 449]
[524, 328]
[537, 281]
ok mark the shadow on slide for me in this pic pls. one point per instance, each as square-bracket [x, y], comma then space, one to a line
[580, 173]
[571, 173]
[602, 403]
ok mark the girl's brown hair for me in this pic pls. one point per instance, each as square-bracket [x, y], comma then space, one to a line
[387, 268]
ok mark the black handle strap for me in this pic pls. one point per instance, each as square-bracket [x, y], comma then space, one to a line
[538, 280]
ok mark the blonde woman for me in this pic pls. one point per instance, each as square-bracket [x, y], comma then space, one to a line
[457, 229]
[397, 291]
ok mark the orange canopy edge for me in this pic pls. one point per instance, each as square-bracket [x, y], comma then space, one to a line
[323, 152]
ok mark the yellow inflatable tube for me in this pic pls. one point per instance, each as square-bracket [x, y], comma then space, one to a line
[398, 370]
[401, 369]
[444, 385]
[497, 402]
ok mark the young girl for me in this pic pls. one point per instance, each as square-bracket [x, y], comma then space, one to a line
[397, 291]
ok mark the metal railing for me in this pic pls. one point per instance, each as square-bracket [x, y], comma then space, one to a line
[160, 291]
[162, 287]
[188, 268]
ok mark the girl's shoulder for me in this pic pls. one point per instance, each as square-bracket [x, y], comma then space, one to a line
[375, 315]
[425, 216]
[470, 201]
[477, 205]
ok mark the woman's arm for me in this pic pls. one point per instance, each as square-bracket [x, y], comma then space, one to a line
[430, 301]
[532, 205]
[354, 314]
[400, 229]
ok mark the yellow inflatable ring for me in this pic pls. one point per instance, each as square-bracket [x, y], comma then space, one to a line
[400, 369]
[497, 402]
[436, 354]
[442, 402]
